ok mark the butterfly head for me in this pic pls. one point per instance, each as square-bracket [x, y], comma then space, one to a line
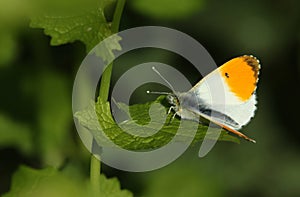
[173, 99]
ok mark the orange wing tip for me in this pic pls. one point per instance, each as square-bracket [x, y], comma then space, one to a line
[255, 63]
[241, 76]
[252, 57]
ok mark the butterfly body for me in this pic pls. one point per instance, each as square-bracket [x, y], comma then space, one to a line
[225, 97]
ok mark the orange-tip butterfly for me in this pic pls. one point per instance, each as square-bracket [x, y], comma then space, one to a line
[239, 78]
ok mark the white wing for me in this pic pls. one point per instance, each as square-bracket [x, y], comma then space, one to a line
[213, 93]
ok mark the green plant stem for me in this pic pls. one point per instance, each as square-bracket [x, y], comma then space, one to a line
[103, 94]
[95, 174]
[117, 15]
[105, 81]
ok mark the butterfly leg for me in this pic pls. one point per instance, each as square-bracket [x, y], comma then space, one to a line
[170, 109]
[173, 116]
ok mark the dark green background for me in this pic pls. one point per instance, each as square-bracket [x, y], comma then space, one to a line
[36, 85]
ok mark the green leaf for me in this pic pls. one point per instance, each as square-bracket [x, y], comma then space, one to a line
[47, 182]
[111, 187]
[100, 113]
[87, 25]
[167, 9]
[50, 182]
[15, 134]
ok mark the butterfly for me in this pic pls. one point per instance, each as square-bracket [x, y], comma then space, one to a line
[235, 81]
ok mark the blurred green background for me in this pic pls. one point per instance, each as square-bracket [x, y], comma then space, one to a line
[36, 126]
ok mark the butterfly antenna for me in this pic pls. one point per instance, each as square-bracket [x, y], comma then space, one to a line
[160, 93]
[154, 69]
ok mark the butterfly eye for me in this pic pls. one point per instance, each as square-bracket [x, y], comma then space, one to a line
[227, 75]
[171, 99]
